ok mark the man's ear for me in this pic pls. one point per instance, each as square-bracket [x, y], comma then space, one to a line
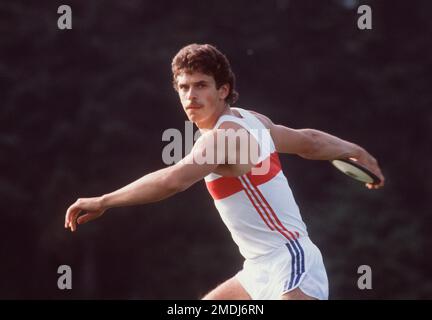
[224, 91]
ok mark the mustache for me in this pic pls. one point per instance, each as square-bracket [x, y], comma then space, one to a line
[193, 105]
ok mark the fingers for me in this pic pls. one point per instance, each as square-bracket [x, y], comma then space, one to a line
[67, 217]
[83, 219]
[372, 164]
[371, 186]
[382, 179]
[72, 219]
[375, 186]
[377, 170]
[71, 216]
[374, 167]
[90, 206]
[73, 224]
[87, 217]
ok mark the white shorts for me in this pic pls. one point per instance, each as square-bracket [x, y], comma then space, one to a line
[298, 263]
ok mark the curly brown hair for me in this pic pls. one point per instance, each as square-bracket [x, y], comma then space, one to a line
[205, 58]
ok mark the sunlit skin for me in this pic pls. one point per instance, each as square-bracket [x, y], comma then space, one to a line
[202, 101]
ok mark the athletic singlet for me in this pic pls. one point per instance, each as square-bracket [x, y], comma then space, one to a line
[259, 210]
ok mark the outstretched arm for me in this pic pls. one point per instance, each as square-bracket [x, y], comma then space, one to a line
[317, 145]
[152, 187]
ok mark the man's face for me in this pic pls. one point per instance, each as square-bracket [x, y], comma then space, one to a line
[199, 96]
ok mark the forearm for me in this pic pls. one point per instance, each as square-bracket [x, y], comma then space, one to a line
[329, 147]
[152, 187]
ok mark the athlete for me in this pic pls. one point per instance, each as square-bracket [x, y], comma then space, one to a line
[251, 193]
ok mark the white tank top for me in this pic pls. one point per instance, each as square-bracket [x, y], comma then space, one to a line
[259, 210]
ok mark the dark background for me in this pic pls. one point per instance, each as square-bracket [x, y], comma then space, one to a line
[82, 113]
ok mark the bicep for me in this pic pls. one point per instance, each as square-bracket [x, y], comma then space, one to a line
[288, 140]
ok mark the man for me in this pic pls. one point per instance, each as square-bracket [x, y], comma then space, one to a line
[281, 262]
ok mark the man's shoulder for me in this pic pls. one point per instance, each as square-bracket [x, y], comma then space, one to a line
[230, 125]
[236, 122]
[263, 118]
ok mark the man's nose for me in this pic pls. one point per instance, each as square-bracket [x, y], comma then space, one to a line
[191, 94]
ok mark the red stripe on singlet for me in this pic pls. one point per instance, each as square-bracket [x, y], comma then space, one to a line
[263, 203]
[224, 187]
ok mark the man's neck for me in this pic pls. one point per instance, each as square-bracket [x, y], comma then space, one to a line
[209, 123]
